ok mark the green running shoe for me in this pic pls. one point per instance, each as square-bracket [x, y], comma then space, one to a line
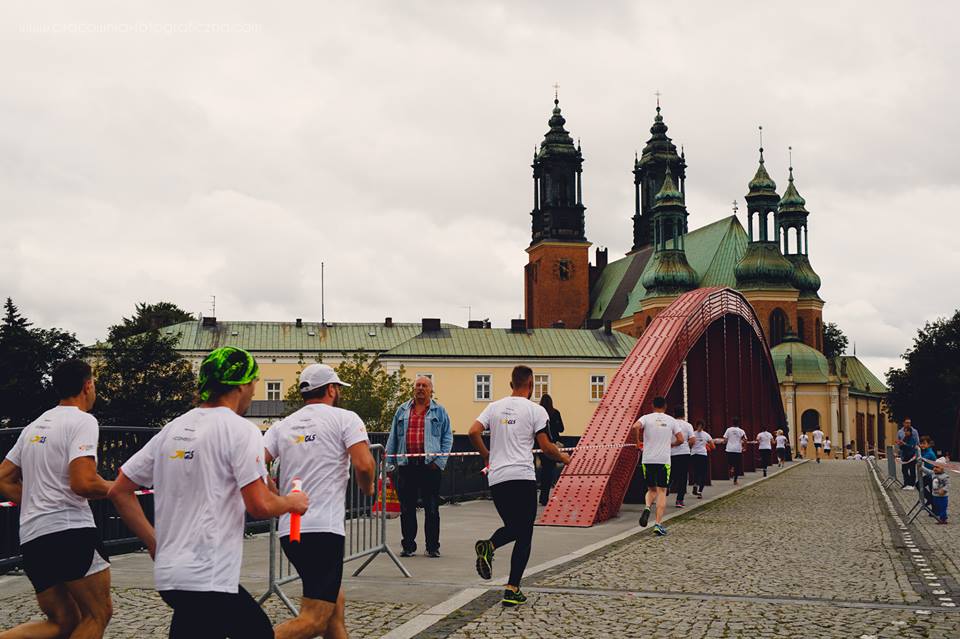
[484, 548]
[660, 530]
[511, 598]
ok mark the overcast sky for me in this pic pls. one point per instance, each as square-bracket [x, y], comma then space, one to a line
[177, 150]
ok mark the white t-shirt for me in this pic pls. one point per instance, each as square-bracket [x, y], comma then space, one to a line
[513, 423]
[700, 446]
[804, 439]
[43, 452]
[817, 436]
[781, 441]
[311, 445]
[197, 464]
[826, 444]
[735, 436]
[659, 431]
[764, 439]
[686, 429]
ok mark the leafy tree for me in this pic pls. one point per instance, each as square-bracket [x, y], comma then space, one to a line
[373, 394]
[927, 388]
[29, 356]
[141, 379]
[834, 341]
[149, 317]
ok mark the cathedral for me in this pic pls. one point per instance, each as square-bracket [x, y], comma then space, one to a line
[768, 262]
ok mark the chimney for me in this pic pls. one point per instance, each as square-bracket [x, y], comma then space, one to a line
[430, 325]
[518, 326]
[388, 322]
[608, 327]
[475, 324]
[209, 321]
[299, 322]
[558, 324]
[601, 258]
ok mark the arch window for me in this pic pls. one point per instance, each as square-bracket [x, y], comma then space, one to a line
[810, 420]
[800, 328]
[819, 335]
[778, 326]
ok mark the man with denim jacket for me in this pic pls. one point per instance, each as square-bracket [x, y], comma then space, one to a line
[420, 437]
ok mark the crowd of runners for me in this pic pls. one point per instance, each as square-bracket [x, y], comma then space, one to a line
[208, 468]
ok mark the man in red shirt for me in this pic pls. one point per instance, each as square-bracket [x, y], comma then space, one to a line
[420, 439]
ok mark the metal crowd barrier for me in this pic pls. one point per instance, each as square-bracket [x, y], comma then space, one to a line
[365, 538]
[891, 478]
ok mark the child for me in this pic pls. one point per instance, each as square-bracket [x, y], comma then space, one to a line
[826, 448]
[929, 456]
[939, 489]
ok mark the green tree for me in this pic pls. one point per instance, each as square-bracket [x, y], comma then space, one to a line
[150, 317]
[29, 357]
[141, 379]
[834, 341]
[927, 388]
[374, 394]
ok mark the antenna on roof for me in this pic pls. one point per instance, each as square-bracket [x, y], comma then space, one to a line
[469, 313]
[213, 306]
[323, 315]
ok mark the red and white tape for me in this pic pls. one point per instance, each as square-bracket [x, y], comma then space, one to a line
[11, 504]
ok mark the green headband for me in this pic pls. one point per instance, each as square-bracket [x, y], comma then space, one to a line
[227, 366]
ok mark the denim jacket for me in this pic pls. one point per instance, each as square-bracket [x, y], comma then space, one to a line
[437, 435]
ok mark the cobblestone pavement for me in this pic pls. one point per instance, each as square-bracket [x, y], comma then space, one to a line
[141, 613]
[811, 553]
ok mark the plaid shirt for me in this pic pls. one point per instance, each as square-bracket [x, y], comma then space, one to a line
[415, 427]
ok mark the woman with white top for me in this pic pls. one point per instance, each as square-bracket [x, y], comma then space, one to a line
[702, 445]
[781, 442]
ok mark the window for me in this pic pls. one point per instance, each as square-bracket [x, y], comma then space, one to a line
[810, 420]
[482, 387]
[598, 386]
[427, 375]
[273, 390]
[541, 386]
[565, 268]
[778, 326]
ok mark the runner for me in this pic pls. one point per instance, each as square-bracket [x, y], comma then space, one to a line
[659, 432]
[734, 446]
[514, 423]
[764, 439]
[680, 458]
[817, 442]
[703, 443]
[207, 468]
[804, 440]
[316, 444]
[51, 471]
[826, 447]
[781, 440]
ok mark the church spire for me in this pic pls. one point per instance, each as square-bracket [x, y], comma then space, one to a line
[649, 172]
[558, 211]
[668, 272]
[792, 217]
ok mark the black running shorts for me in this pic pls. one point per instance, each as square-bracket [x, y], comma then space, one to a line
[818, 445]
[63, 556]
[216, 615]
[318, 559]
[656, 475]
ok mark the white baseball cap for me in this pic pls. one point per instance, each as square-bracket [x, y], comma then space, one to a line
[316, 375]
[941, 461]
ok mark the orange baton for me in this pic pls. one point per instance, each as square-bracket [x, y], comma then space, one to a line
[295, 517]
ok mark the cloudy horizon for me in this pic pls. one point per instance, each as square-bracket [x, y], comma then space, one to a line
[176, 152]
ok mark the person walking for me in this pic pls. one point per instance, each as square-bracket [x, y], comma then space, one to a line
[514, 423]
[51, 471]
[733, 439]
[680, 457]
[421, 427]
[764, 445]
[781, 443]
[207, 468]
[656, 432]
[548, 467]
[817, 442]
[826, 447]
[909, 444]
[317, 445]
[804, 442]
[699, 458]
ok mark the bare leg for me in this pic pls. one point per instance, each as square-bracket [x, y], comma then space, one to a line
[62, 617]
[650, 496]
[661, 503]
[314, 620]
[92, 594]
[337, 628]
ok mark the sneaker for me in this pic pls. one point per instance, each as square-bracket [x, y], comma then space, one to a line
[679, 504]
[408, 553]
[764, 472]
[695, 491]
[908, 487]
[433, 554]
[660, 530]
[699, 495]
[644, 517]
[484, 549]
[513, 598]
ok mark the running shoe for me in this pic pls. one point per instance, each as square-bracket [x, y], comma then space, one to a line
[433, 554]
[513, 598]
[407, 553]
[679, 504]
[484, 549]
[644, 517]
[660, 530]
[699, 495]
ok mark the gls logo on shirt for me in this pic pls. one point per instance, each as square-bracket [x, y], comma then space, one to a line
[182, 454]
[299, 439]
[506, 421]
[38, 439]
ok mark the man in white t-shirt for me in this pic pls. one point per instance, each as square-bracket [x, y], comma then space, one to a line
[804, 440]
[207, 469]
[781, 442]
[655, 433]
[734, 438]
[817, 442]
[51, 471]
[680, 457]
[316, 445]
[514, 423]
[764, 444]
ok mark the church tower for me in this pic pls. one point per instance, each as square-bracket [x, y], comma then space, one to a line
[557, 276]
[649, 172]
[792, 233]
[764, 275]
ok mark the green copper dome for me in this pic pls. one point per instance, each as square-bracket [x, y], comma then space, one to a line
[668, 195]
[659, 144]
[805, 279]
[762, 185]
[792, 202]
[809, 365]
[763, 265]
[669, 273]
[557, 140]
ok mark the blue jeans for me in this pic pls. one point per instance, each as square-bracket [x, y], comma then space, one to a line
[940, 507]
